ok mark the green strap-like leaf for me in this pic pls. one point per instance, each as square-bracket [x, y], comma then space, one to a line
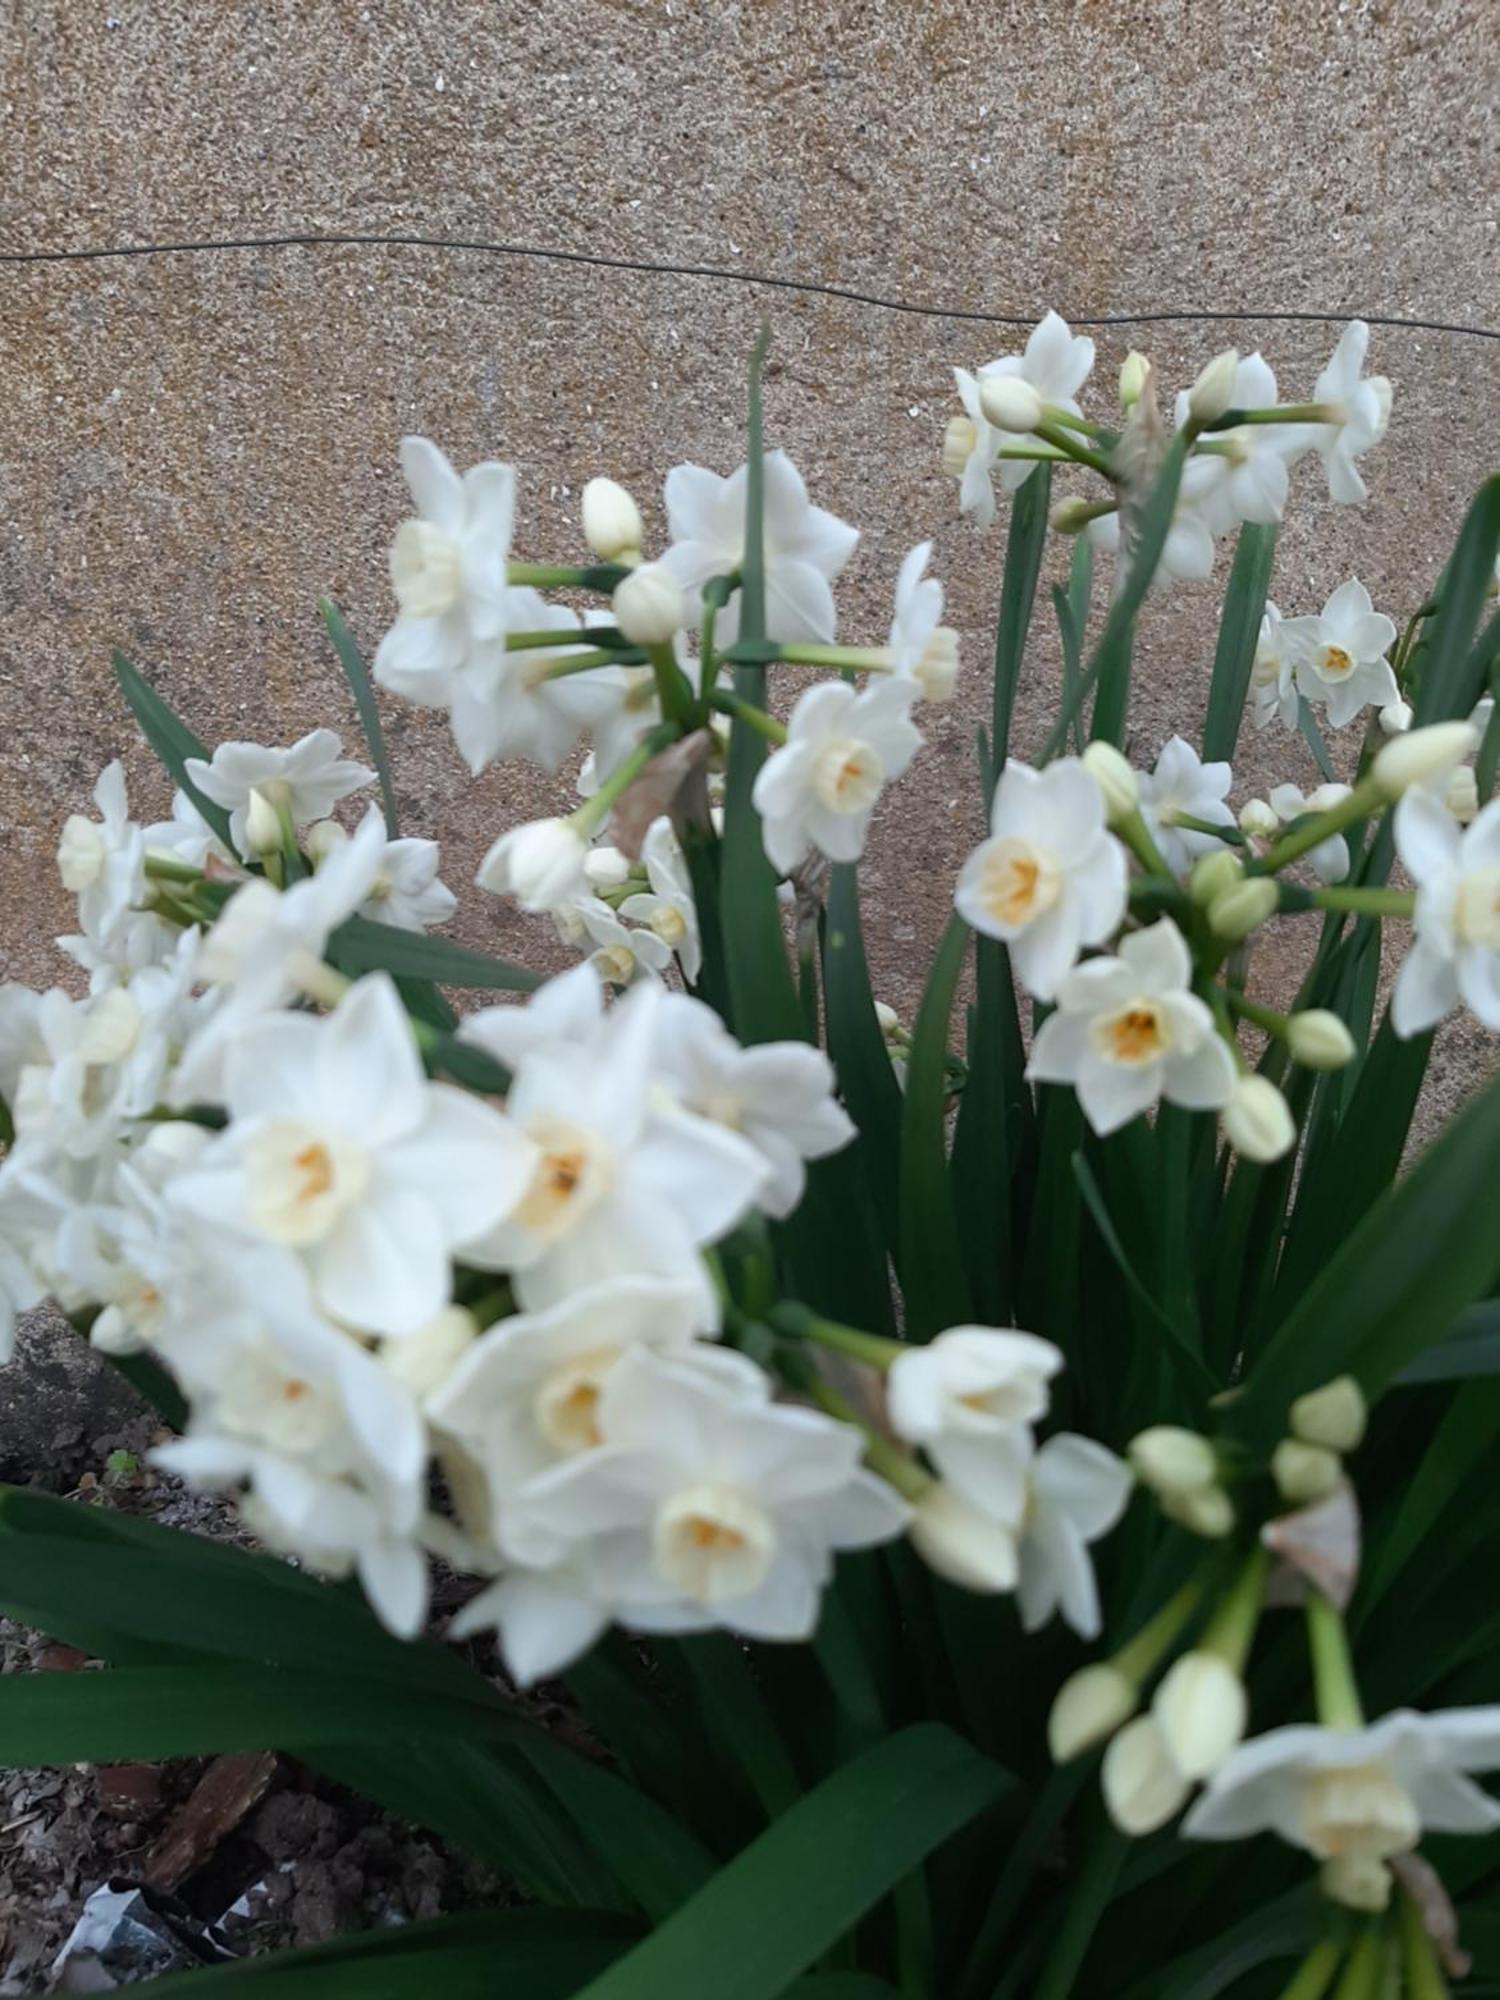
[361, 945]
[867, 1077]
[357, 674]
[990, 1132]
[1239, 631]
[172, 740]
[931, 1261]
[1472, 1348]
[809, 1878]
[1023, 563]
[1453, 673]
[1110, 667]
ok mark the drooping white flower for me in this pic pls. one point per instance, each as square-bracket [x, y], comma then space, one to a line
[1056, 363]
[1051, 878]
[406, 893]
[1076, 1491]
[1182, 787]
[540, 863]
[649, 605]
[1356, 1797]
[339, 1148]
[1365, 406]
[525, 1395]
[448, 568]
[805, 546]
[820, 788]
[102, 861]
[969, 1399]
[964, 1543]
[1341, 663]
[1330, 858]
[308, 780]
[667, 908]
[922, 648]
[706, 1504]
[1455, 954]
[515, 704]
[1128, 1031]
[1273, 674]
[626, 1180]
[776, 1095]
[1247, 475]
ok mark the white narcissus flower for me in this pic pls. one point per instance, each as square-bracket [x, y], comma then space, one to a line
[1341, 663]
[340, 1149]
[308, 780]
[922, 648]
[1247, 474]
[627, 1180]
[1051, 878]
[1187, 554]
[542, 864]
[805, 546]
[1356, 1797]
[1056, 363]
[667, 907]
[820, 788]
[448, 569]
[1455, 954]
[969, 1399]
[1182, 787]
[776, 1095]
[1128, 1031]
[705, 1503]
[620, 954]
[1273, 675]
[406, 893]
[1330, 858]
[1076, 1491]
[509, 705]
[102, 861]
[1365, 405]
[525, 1395]
[976, 492]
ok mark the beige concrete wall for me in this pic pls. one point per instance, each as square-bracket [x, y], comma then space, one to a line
[193, 446]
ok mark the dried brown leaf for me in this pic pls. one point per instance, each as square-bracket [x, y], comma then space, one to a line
[1320, 1544]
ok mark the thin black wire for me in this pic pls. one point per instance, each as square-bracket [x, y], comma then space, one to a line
[598, 261]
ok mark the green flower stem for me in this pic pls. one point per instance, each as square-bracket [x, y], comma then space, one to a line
[1231, 1630]
[716, 594]
[1334, 1687]
[1314, 1976]
[1138, 837]
[1070, 420]
[895, 1466]
[161, 868]
[1366, 902]
[802, 1323]
[1068, 445]
[585, 659]
[746, 711]
[491, 1306]
[1366, 798]
[1140, 1656]
[592, 814]
[1364, 1974]
[1041, 453]
[540, 642]
[1424, 1975]
[601, 577]
[856, 659]
[1230, 835]
[672, 688]
[1279, 413]
[7, 1124]
[1253, 1011]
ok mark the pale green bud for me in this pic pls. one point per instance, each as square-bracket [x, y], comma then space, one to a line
[1090, 1706]
[1211, 394]
[1010, 402]
[1258, 816]
[1201, 1709]
[1258, 1122]
[1134, 370]
[1244, 908]
[1305, 1472]
[1116, 779]
[1422, 754]
[1071, 517]
[1172, 1460]
[961, 1544]
[1143, 1787]
[1208, 1512]
[1333, 1416]
[649, 605]
[611, 520]
[1214, 875]
[262, 824]
[1318, 1039]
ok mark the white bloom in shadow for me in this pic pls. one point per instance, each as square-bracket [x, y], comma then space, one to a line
[819, 790]
[1455, 954]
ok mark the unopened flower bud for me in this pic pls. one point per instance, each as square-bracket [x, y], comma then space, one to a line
[1072, 516]
[959, 442]
[648, 605]
[323, 838]
[1172, 1460]
[606, 868]
[1333, 1416]
[937, 670]
[1010, 402]
[262, 824]
[1143, 1788]
[82, 854]
[1395, 718]
[961, 1544]
[888, 1018]
[1212, 393]
[1258, 1122]
[1090, 1706]
[1201, 1710]
[1422, 754]
[1134, 370]
[1112, 773]
[611, 520]
[1214, 875]
[541, 864]
[1258, 817]
[1208, 1512]
[1244, 908]
[1462, 794]
[1318, 1039]
[1358, 1881]
[1305, 1472]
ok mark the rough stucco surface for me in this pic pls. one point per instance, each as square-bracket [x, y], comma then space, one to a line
[195, 445]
